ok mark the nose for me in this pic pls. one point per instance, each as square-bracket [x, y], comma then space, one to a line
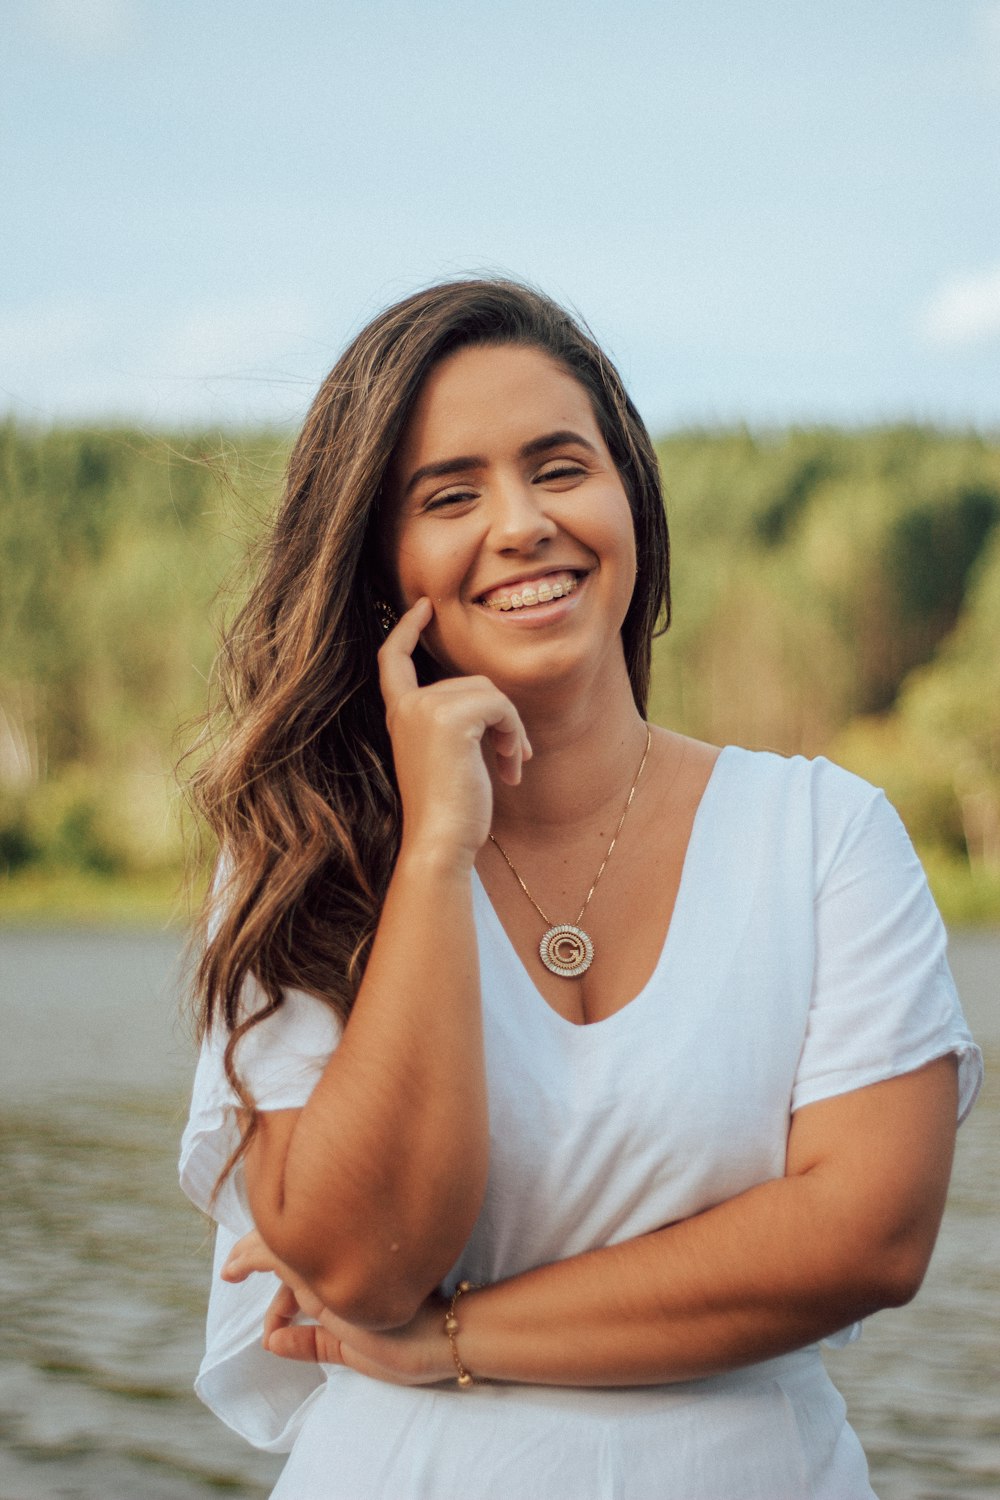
[519, 521]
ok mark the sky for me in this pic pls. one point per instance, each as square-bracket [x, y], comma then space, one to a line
[768, 211]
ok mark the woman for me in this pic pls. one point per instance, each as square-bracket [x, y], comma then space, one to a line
[576, 1078]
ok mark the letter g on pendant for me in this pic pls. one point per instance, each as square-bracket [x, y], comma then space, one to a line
[566, 950]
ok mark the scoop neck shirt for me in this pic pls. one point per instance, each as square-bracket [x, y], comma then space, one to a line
[804, 958]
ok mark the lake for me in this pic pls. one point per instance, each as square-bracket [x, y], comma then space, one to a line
[104, 1267]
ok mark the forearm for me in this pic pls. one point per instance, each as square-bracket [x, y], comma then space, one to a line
[756, 1277]
[383, 1174]
[848, 1230]
[370, 1191]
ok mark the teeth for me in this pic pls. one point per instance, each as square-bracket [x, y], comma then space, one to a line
[529, 595]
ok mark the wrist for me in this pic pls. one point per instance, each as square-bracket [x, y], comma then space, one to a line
[426, 857]
[464, 1377]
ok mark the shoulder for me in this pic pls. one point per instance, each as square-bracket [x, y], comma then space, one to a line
[755, 790]
[810, 803]
[827, 787]
[767, 773]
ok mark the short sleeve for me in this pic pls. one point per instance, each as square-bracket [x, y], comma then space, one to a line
[883, 1000]
[280, 1060]
[258, 1395]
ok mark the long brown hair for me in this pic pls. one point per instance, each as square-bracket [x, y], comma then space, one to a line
[298, 785]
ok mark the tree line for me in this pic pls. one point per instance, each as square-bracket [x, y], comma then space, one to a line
[835, 592]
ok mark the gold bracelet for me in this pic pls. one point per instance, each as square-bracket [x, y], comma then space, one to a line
[463, 1379]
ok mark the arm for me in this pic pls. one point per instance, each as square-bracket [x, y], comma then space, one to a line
[370, 1191]
[848, 1230]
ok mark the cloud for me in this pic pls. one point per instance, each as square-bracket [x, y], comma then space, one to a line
[965, 311]
[86, 28]
[240, 359]
[230, 338]
[50, 330]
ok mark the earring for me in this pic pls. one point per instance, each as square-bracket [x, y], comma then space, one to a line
[386, 615]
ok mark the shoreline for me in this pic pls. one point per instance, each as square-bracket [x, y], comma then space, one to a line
[163, 901]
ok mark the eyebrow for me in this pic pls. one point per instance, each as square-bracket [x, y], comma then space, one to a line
[463, 464]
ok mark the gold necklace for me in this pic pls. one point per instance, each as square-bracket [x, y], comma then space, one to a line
[565, 948]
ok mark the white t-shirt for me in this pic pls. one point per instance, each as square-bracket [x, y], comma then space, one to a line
[805, 958]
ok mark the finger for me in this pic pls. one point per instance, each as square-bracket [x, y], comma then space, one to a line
[305, 1342]
[512, 749]
[397, 674]
[282, 1308]
[239, 1267]
[505, 742]
[510, 743]
[508, 766]
[307, 1299]
[248, 1254]
[500, 717]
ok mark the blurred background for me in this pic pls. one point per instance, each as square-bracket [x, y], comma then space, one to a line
[782, 221]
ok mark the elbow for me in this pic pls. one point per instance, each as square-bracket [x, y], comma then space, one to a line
[366, 1294]
[891, 1274]
[902, 1275]
[376, 1279]
[364, 1286]
[367, 1301]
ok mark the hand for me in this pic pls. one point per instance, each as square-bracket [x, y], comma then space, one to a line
[418, 1354]
[438, 736]
[251, 1254]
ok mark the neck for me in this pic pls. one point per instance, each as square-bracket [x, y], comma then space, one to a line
[584, 761]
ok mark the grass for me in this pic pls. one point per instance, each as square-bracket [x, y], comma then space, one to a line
[966, 897]
[71, 898]
[75, 898]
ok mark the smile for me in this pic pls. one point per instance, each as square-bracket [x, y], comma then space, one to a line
[531, 593]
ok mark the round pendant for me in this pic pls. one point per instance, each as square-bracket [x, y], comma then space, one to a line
[566, 951]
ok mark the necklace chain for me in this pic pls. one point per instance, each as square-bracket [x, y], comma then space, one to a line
[621, 824]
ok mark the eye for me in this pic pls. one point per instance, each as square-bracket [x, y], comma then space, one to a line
[450, 499]
[560, 470]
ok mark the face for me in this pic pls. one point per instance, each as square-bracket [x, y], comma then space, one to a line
[510, 515]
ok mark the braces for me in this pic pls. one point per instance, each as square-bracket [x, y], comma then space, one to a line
[529, 596]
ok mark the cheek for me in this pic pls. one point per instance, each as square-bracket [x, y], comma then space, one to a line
[615, 537]
[413, 577]
[438, 571]
[621, 542]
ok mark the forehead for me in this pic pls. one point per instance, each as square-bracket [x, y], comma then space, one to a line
[485, 398]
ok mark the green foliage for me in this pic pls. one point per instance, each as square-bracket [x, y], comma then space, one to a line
[932, 548]
[814, 572]
[113, 549]
[834, 592]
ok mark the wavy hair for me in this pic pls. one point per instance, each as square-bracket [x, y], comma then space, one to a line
[298, 784]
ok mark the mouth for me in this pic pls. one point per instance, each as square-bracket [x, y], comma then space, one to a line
[529, 593]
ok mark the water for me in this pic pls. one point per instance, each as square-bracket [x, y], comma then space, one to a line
[104, 1268]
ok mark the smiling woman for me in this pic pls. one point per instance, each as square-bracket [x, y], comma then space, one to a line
[568, 1211]
[526, 546]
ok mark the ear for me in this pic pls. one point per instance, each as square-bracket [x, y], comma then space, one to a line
[382, 585]
[386, 615]
[377, 583]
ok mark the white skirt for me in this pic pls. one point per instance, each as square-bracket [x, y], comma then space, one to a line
[775, 1431]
